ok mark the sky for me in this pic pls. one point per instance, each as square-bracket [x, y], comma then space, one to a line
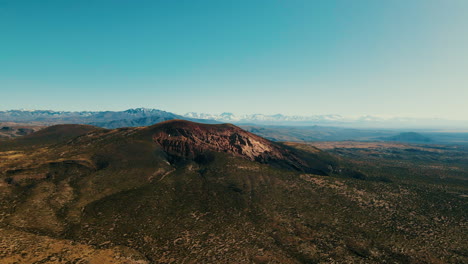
[296, 57]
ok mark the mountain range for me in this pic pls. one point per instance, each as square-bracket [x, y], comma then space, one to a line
[331, 120]
[107, 119]
[14, 123]
[145, 116]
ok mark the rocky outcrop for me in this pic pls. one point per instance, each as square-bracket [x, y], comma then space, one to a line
[188, 139]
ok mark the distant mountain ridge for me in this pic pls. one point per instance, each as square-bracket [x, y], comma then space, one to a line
[230, 117]
[331, 119]
[69, 116]
[408, 137]
[147, 116]
[107, 119]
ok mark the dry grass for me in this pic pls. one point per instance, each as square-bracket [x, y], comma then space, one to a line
[22, 247]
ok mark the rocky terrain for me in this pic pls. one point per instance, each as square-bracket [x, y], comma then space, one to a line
[183, 192]
[190, 140]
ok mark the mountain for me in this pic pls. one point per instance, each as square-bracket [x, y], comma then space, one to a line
[196, 141]
[107, 119]
[366, 121]
[408, 137]
[83, 116]
[185, 192]
[145, 117]
[269, 119]
[145, 121]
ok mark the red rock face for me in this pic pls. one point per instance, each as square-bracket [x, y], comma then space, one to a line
[188, 139]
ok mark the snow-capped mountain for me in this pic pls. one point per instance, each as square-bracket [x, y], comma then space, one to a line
[334, 120]
[71, 116]
[256, 118]
[148, 116]
[108, 119]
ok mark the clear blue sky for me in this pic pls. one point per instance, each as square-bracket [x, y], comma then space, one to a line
[304, 57]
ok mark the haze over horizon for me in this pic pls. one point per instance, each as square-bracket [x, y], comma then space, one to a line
[352, 58]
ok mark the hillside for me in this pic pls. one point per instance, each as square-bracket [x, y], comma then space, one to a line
[184, 192]
[408, 137]
[12, 130]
